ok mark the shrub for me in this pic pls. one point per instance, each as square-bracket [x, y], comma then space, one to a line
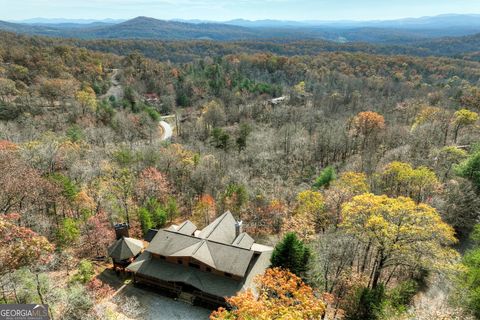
[401, 296]
[75, 133]
[68, 232]
[326, 177]
[85, 272]
[470, 169]
[366, 304]
[152, 215]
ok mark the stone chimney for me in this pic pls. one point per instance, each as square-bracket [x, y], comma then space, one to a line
[121, 230]
[238, 228]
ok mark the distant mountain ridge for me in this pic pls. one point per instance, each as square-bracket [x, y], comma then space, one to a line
[53, 21]
[398, 32]
[150, 28]
[435, 22]
[137, 28]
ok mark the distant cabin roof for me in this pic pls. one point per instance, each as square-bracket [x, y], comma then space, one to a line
[125, 248]
[278, 100]
[151, 96]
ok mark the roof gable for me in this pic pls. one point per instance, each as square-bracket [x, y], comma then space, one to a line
[221, 229]
[203, 254]
[216, 246]
[243, 241]
[230, 259]
[187, 228]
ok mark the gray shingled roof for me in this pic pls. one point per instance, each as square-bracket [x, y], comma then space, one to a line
[258, 266]
[125, 248]
[187, 228]
[243, 241]
[204, 281]
[221, 229]
[167, 242]
[220, 256]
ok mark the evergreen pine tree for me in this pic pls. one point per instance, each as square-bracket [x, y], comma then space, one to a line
[292, 254]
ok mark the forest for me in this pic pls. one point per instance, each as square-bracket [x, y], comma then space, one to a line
[365, 178]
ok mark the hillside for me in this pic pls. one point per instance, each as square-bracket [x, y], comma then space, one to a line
[149, 28]
[22, 28]
[183, 51]
[380, 32]
[451, 46]
[367, 157]
[138, 28]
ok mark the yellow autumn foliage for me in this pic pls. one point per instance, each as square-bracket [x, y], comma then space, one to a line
[406, 233]
[401, 179]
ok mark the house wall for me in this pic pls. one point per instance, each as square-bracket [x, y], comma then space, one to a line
[174, 289]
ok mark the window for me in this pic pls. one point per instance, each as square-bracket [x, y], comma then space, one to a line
[194, 265]
[228, 275]
[162, 257]
[208, 269]
[179, 261]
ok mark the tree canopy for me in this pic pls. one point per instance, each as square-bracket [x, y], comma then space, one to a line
[279, 295]
[402, 232]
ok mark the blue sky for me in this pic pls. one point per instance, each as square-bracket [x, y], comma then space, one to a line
[231, 9]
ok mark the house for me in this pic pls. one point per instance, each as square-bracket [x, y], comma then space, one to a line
[276, 101]
[202, 266]
[151, 97]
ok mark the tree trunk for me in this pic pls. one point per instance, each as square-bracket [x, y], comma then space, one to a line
[365, 257]
[455, 136]
[378, 270]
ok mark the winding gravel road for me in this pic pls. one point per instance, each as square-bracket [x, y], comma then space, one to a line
[167, 131]
[115, 89]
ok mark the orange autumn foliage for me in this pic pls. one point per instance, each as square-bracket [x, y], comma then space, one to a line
[21, 246]
[204, 211]
[7, 145]
[152, 183]
[281, 295]
[366, 123]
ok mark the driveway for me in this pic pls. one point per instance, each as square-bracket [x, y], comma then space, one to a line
[115, 89]
[167, 131]
[155, 306]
